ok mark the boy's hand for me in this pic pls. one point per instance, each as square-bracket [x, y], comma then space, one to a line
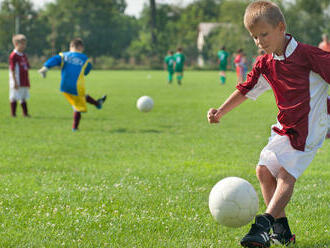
[15, 86]
[43, 71]
[212, 116]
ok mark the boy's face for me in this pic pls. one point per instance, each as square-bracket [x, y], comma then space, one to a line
[20, 46]
[269, 38]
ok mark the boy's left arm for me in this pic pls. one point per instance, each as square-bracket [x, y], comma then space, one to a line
[320, 62]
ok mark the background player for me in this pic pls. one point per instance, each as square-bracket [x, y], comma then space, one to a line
[222, 61]
[179, 64]
[19, 82]
[239, 63]
[169, 65]
[75, 66]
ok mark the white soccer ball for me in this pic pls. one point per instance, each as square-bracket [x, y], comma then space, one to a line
[233, 202]
[145, 103]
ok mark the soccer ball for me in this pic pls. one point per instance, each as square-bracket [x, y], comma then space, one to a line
[233, 202]
[145, 103]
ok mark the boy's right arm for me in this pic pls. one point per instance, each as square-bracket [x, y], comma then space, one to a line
[53, 61]
[214, 115]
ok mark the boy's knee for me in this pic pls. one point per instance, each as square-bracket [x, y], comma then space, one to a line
[263, 173]
[286, 176]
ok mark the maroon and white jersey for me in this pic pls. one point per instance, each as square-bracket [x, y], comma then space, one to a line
[18, 62]
[299, 80]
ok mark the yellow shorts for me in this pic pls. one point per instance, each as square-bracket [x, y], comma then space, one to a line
[78, 102]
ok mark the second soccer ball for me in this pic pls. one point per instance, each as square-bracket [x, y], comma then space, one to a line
[145, 104]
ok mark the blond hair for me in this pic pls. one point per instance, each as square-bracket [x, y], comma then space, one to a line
[18, 38]
[265, 11]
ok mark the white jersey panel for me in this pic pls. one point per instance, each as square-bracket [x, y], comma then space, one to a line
[317, 117]
[17, 76]
[259, 88]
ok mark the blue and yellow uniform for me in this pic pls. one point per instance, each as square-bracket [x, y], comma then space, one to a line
[75, 66]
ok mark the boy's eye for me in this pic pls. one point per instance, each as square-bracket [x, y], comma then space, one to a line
[264, 34]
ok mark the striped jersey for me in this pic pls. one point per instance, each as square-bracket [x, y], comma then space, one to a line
[299, 80]
[19, 64]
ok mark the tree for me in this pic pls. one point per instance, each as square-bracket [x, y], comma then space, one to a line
[18, 16]
[101, 24]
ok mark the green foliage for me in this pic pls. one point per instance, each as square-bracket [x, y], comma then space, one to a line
[307, 20]
[132, 179]
[19, 14]
[102, 25]
[107, 31]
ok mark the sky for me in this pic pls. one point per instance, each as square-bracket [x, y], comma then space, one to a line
[134, 7]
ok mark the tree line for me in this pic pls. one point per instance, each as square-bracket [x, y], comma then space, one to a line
[115, 40]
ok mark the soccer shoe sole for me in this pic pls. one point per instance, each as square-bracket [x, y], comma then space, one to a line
[289, 243]
[254, 245]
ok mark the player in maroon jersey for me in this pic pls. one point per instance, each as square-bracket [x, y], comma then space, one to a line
[19, 83]
[299, 76]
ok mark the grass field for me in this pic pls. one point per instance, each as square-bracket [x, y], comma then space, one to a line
[132, 179]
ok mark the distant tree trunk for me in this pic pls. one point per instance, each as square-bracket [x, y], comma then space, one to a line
[153, 26]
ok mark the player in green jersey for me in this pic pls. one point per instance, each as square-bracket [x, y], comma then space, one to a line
[169, 65]
[222, 61]
[179, 64]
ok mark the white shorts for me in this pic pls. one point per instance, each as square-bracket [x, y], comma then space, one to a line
[279, 153]
[20, 94]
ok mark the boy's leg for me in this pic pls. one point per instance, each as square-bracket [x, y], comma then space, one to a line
[97, 103]
[24, 108]
[13, 106]
[222, 77]
[179, 77]
[282, 194]
[91, 100]
[268, 184]
[170, 77]
[277, 194]
[76, 120]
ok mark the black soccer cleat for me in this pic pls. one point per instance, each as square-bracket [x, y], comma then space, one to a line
[280, 239]
[258, 236]
[101, 101]
[281, 233]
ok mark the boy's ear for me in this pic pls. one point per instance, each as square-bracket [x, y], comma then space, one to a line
[282, 26]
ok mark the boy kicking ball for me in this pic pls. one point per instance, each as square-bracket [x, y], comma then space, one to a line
[299, 76]
[75, 66]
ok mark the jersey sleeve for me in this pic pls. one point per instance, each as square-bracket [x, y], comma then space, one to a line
[12, 61]
[88, 68]
[53, 61]
[319, 61]
[255, 84]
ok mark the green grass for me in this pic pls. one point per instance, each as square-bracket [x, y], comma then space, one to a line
[132, 179]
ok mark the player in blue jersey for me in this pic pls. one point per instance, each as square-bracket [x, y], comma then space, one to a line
[75, 66]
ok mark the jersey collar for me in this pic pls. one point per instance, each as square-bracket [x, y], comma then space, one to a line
[289, 49]
[18, 53]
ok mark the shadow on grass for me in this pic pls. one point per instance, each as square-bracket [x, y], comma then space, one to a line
[69, 118]
[125, 130]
